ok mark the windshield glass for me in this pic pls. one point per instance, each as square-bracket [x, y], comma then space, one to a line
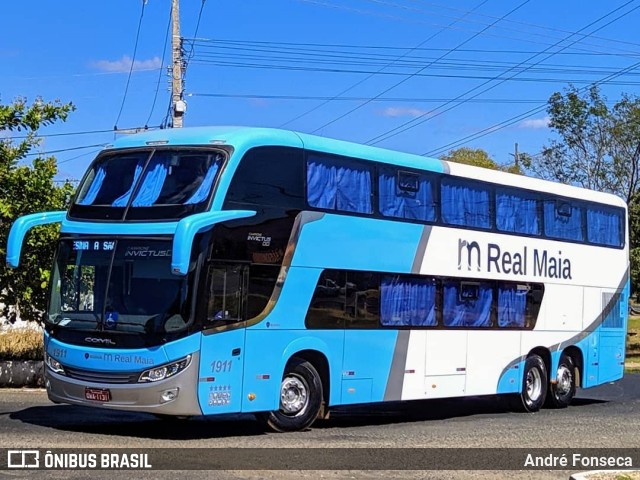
[148, 184]
[118, 285]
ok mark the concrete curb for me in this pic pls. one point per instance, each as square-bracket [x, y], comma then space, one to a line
[21, 373]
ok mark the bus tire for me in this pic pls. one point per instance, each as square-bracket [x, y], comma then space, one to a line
[300, 398]
[534, 384]
[563, 389]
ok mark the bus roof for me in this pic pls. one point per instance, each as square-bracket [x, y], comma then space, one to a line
[244, 138]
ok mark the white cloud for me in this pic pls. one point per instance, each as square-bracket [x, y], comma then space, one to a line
[403, 112]
[124, 64]
[535, 123]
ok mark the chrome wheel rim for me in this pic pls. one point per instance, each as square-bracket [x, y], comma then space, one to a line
[294, 395]
[564, 380]
[534, 384]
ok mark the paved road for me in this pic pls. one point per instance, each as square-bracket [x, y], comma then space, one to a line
[604, 417]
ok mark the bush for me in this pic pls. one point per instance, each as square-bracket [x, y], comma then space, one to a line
[21, 344]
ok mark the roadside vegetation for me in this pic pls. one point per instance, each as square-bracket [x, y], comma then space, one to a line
[21, 344]
[632, 361]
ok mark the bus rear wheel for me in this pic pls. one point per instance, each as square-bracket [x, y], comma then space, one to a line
[534, 384]
[300, 398]
[563, 389]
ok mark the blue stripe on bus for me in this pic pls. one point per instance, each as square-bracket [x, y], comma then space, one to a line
[336, 241]
[120, 360]
[110, 229]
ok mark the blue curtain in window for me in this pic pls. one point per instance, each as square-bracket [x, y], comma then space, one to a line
[123, 199]
[407, 302]
[203, 190]
[465, 205]
[512, 304]
[152, 183]
[604, 227]
[337, 186]
[558, 225]
[515, 213]
[467, 313]
[95, 187]
[396, 202]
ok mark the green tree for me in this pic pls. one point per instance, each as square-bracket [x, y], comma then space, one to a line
[28, 189]
[478, 158]
[597, 147]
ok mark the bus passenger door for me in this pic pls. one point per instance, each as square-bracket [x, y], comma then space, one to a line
[223, 340]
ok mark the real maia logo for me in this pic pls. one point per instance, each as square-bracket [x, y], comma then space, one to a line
[541, 263]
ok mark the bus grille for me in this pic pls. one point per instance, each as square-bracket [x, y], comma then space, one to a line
[102, 377]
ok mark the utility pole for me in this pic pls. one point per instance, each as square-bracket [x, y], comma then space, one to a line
[178, 105]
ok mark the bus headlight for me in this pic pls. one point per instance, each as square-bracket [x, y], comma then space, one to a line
[53, 364]
[165, 371]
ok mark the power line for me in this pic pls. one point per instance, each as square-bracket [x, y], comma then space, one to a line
[528, 24]
[65, 134]
[195, 35]
[502, 26]
[515, 119]
[356, 99]
[412, 20]
[421, 69]
[322, 47]
[133, 61]
[421, 119]
[164, 52]
[50, 152]
[372, 74]
[287, 63]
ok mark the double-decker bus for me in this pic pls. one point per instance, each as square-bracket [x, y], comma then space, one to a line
[204, 271]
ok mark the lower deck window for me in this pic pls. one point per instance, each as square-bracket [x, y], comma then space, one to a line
[351, 299]
[467, 304]
[407, 301]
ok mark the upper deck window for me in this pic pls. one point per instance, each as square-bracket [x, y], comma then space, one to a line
[407, 195]
[465, 203]
[337, 184]
[604, 226]
[563, 220]
[161, 184]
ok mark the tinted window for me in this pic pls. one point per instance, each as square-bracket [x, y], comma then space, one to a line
[563, 220]
[405, 194]
[269, 176]
[604, 226]
[517, 212]
[262, 281]
[338, 184]
[407, 301]
[465, 203]
[467, 304]
[329, 302]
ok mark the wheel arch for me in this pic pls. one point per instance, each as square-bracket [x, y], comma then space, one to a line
[545, 354]
[316, 352]
[321, 364]
[578, 359]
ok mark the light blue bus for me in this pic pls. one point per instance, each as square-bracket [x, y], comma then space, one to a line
[206, 271]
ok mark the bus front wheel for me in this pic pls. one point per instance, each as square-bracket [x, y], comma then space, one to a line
[563, 389]
[300, 398]
[534, 384]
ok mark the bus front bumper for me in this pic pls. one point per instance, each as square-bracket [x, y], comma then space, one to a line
[177, 395]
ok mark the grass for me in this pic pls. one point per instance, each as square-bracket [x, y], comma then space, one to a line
[632, 360]
[21, 344]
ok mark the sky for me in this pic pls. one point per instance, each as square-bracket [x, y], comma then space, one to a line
[411, 75]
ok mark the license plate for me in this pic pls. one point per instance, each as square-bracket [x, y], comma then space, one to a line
[97, 394]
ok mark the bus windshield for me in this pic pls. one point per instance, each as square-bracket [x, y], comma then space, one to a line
[148, 184]
[118, 285]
